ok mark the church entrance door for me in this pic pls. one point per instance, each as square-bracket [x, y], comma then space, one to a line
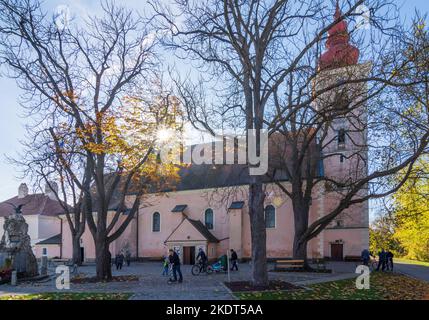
[189, 255]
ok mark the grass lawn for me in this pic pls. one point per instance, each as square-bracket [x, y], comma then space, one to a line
[408, 261]
[68, 296]
[383, 286]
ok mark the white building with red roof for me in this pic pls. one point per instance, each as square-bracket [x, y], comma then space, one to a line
[41, 212]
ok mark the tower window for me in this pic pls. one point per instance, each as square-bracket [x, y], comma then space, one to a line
[341, 158]
[341, 139]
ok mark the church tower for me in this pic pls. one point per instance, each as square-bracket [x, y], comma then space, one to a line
[340, 99]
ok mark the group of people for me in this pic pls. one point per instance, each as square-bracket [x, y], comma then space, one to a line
[202, 257]
[120, 258]
[173, 261]
[385, 259]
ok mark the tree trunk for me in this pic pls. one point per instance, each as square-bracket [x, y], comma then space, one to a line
[301, 213]
[103, 260]
[77, 259]
[258, 234]
[300, 250]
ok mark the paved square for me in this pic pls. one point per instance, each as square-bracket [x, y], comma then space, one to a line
[153, 286]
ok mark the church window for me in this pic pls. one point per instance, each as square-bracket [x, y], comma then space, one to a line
[270, 217]
[341, 139]
[156, 222]
[209, 219]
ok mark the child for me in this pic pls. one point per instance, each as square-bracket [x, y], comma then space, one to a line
[165, 266]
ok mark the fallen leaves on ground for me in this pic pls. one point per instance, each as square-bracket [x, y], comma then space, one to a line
[68, 296]
[383, 286]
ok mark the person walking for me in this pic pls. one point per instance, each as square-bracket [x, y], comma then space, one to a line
[128, 258]
[365, 256]
[175, 261]
[381, 260]
[119, 261]
[234, 259]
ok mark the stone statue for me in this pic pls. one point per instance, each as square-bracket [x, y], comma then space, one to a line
[18, 208]
[16, 244]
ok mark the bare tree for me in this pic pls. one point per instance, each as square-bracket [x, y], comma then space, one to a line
[76, 83]
[260, 64]
[46, 169]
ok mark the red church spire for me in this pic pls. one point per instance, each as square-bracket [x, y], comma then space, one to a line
[340, 52]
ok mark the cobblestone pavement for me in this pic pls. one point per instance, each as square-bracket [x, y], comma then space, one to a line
[153, 286]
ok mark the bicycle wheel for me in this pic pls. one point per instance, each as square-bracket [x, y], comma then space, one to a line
[196, 270]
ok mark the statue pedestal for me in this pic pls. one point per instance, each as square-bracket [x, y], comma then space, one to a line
[16, 244]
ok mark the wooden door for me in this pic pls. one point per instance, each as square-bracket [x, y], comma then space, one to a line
[337, 251]
[82, 254]
[189, 255]
[186, 255]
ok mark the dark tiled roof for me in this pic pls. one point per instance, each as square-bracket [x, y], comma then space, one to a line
[205, 176]
[52, 240]
[179, 208]
[203, 230]
[237, 205]
[33, 204]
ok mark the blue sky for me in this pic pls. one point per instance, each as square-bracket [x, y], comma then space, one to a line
[11, 122]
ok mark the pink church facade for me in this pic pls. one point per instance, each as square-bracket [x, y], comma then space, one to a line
[185, 231]
[205, 213]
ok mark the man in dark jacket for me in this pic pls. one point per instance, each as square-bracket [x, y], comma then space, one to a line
[365, 256]
[234, 259]
[128, 258]
[382, 260]
[119, 261]
[203, 258]
[175, 261]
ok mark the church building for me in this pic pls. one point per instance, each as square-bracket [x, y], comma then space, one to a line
[202, 212]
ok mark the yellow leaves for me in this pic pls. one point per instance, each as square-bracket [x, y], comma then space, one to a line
[412, 213]
[383, 286]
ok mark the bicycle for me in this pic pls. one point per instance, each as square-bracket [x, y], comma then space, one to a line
[199, 268]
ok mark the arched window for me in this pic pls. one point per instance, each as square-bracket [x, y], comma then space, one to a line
[156, 222]
[270, 216]
[208, 219]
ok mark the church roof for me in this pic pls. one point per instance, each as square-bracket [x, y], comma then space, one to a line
[33, 204]
[236, 205]
[208, 176]
[179, 208]
[52, 240]
[191, 230]
[339, 53]
[203, 230]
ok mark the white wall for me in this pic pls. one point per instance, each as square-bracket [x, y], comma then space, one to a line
[48, 227]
